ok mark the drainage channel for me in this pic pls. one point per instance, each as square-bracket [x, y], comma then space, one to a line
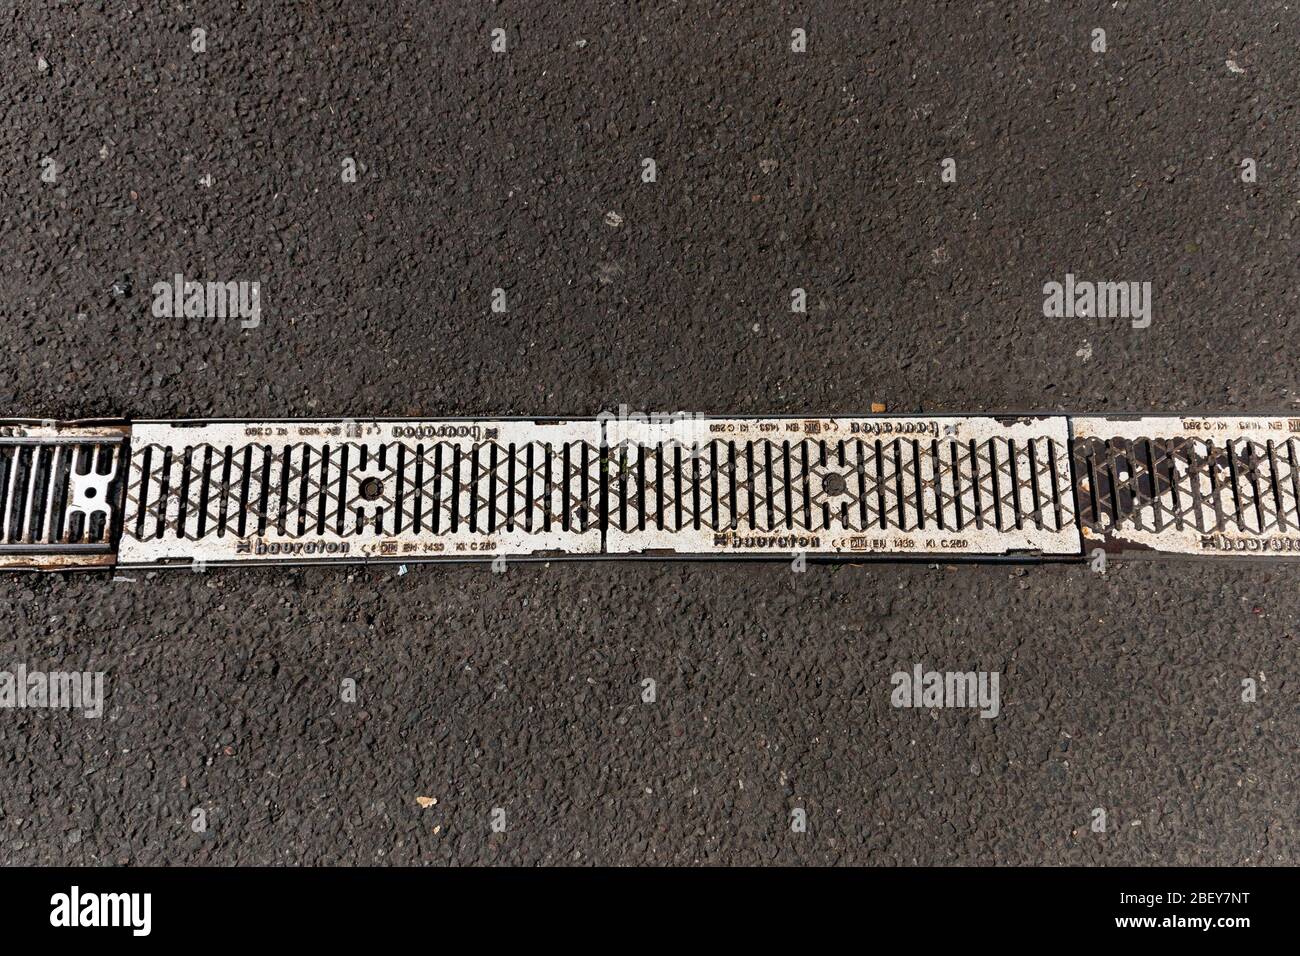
[939, 488]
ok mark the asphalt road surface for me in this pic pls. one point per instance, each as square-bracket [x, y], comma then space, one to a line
[129, 155]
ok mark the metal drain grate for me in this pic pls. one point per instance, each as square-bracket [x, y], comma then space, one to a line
[929, 486]
[60, 496]
[882, 487]
[360, 491]
[1192, 486]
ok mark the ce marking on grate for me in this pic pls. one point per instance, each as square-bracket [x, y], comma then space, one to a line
[939, 488]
